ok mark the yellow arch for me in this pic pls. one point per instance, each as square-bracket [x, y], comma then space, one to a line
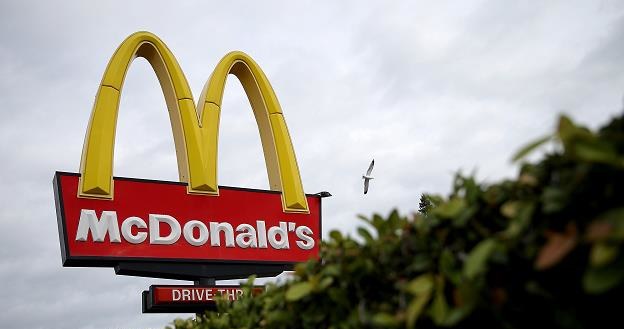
[195, 130]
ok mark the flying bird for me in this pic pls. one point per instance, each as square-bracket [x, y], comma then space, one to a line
[367, 177]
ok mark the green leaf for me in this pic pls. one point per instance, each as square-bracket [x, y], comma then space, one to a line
[420, 262]
[335, 235]
[530, 148]
[465, 215]
[468, 295]
[420, 285]
[384, 320]
[415, 308]
[596, 151]
[565, 127]
[455, 315]
[364, 218]
[520, 214]
[528, 180]
[250, 280]
[571, 134]
[567, 131]
[331, 270]
[598, 280]
[477, 259]
[394, 218]
[446, 265]
[326, 282]
[615, 216]
[450, 209]
[602, 254]
[509, 209]
[378, 223]
[364, 233]
[439, 307]
[298, 291]
[553, 199]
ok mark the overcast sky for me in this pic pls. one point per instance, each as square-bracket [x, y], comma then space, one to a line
[427, 89]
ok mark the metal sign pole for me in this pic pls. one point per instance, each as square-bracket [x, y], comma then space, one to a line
[204, 282]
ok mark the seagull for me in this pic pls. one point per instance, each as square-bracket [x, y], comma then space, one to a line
[367, 177]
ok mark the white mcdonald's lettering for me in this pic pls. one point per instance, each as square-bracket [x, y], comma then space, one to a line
[195, 232]
[98, 228]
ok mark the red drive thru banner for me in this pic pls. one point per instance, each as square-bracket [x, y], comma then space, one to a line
[176, 298]
[160, 221]
[164, 295]
[164, 229]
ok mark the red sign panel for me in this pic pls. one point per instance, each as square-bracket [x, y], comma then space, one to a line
[160, 221]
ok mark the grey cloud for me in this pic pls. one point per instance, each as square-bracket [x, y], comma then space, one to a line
[425, 88]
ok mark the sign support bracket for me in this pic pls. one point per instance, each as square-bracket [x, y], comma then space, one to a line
[197, 271]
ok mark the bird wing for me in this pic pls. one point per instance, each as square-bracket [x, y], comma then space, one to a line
[370, 168]
[366, 185]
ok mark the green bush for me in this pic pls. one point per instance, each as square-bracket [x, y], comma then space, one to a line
[543, 250]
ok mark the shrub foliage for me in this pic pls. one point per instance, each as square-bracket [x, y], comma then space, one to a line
[544, 249]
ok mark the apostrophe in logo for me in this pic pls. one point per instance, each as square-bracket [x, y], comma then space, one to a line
[195, 129]
[105, 221]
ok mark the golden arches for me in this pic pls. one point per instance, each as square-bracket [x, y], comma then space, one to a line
[195, 130]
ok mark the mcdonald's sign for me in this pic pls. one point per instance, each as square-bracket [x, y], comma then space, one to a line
[108, 221]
